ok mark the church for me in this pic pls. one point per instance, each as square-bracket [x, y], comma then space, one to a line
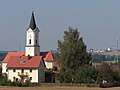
[30, 64]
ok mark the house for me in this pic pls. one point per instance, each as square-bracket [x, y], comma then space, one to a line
[49, 59]
[26, 67]
[28, 64]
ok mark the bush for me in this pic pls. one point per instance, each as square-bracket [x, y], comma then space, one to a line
[6, 82]
[107, 85]
[66, 76]
[54, 68]
[26, 83]
[86, 75]
[17, 83]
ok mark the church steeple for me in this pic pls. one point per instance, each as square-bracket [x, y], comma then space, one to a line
[32, 47]
[32, 22]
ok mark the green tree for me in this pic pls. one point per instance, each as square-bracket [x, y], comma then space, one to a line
[72, 50]
[67, 75]
[72, 55]
[116, 76]
[86, 74]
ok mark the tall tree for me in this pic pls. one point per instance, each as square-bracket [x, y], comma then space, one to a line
[72, 50]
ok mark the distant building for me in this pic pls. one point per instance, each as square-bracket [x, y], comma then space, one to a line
[114, 67]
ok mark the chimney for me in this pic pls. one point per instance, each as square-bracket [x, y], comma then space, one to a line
[29, 57]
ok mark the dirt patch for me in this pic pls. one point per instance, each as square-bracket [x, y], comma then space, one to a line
[56, 88]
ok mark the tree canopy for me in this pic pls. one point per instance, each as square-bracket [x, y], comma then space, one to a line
[73, 56]
[72, 50]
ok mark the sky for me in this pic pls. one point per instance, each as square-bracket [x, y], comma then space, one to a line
[98, 22]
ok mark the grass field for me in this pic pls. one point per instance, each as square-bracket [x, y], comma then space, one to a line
[56, 88]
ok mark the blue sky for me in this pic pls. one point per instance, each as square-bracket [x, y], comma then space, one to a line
[98, 22]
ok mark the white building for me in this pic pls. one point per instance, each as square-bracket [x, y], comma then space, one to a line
[26, 68]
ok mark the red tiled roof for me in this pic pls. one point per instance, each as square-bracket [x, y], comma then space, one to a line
[112, 53]
[49, 57]
[6, 59]
[24, 62]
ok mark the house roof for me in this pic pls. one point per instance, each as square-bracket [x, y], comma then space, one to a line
[43, 54]
[49, 57]
[24, 62]
[6, 59]
[112, 53]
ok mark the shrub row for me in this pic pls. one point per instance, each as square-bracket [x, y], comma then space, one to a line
[69, 84]
[6, 82]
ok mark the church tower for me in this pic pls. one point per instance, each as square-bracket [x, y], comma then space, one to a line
[32, 47]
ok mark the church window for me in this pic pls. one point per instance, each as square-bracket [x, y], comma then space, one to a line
[36, 35]
[29, 41]
[36, 41]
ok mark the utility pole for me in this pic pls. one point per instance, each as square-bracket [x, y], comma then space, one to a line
[117, 44]
[117, 49]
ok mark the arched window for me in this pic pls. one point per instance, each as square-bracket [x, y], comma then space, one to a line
[29, 41]
[36, 41]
